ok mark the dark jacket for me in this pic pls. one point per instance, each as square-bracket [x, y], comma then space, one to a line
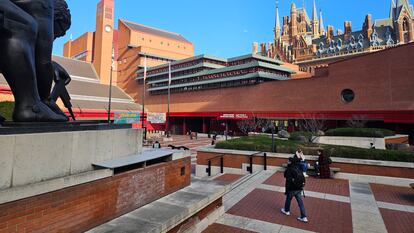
[289, 174]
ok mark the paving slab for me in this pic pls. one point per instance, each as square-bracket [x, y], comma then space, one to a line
[365, 212]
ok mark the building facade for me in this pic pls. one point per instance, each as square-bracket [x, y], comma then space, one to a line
[124, 47]
[303, 39]
[364, 86]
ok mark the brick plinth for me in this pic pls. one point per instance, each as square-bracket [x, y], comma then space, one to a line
[236, 161]
[82, 207]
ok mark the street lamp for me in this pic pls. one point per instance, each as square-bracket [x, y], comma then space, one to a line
[110, 86]
[272, 128]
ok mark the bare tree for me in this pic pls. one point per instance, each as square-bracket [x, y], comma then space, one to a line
[252, 125]
[247, 126]
[357, 121]
[312, 124]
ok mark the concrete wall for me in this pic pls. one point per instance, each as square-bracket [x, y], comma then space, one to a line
[31, 158]
[360, 142]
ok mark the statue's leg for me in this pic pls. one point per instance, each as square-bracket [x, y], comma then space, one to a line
[17, 40]
[42, 12]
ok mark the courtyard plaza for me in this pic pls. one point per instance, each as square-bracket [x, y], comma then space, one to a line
[192, 144]
[332, 205]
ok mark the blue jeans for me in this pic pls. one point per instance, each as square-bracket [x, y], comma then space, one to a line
[298, 196]
[303, 166]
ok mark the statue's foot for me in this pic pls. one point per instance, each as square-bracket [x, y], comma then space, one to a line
[55, 108]
[37, 113]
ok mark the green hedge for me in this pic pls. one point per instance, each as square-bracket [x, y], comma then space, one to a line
[263, 143]
[360, 132]
[295, 136]
[372, 154]
[6, 109]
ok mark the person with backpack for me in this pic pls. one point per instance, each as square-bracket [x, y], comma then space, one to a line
[295, 182]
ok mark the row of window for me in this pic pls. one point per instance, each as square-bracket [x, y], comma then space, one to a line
[211, 86]
[224, 75]
[162, 43]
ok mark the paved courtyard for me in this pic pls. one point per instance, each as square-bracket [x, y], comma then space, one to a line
[332, 206]
[193, 145]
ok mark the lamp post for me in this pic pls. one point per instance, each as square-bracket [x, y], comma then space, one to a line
[110, 86]
[272, 127]
[167, 127]
[143, 98]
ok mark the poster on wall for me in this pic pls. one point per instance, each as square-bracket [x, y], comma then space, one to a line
[126, 117]
[157, 117]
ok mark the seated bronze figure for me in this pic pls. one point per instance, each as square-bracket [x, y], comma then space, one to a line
[27, 31]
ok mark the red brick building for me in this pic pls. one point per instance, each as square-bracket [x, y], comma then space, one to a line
[377, 86]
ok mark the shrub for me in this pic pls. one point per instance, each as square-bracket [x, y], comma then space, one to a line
[263, 143]
[360, 132]
[371, 154]
[6, 109]
[295, 136]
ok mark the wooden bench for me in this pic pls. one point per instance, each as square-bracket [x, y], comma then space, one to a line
[333, 169]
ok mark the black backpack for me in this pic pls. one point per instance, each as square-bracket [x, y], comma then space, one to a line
[298, 179]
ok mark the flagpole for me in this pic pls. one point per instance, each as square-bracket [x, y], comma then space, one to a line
[169, 98]
[143, 98]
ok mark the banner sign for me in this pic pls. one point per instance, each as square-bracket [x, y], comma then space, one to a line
[157, 117]
[126, 117]
[233, 116]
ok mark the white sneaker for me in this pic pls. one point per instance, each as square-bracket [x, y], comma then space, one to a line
[305, 175]
[304, 219]
[285, 212]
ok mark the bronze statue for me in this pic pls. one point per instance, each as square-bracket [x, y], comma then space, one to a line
[27, 31]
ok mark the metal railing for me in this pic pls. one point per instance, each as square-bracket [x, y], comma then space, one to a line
[208, 169]
[250, 168]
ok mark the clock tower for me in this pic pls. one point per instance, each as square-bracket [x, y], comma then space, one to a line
[102, 55]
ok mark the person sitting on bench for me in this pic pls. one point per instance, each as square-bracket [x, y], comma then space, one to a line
[322, 165]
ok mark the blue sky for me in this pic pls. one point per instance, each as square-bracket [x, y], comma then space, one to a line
[224, 28]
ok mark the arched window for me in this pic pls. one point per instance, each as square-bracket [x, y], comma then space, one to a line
[405, 24]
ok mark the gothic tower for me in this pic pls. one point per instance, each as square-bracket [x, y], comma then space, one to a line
[102, 56]
[315, 21]
[277, 24]
[293, 20]
[321, 26]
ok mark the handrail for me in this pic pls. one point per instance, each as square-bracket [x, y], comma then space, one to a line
[208, 169]
[250, 169]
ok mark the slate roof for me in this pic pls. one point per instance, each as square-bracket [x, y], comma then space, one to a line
[85, 85]
[154, 31]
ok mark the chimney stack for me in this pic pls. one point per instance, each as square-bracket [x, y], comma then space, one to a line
[330, 32]
[255, 49]
[347, 27]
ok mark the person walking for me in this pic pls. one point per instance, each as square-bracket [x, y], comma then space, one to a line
[322, 166]
[295, 181]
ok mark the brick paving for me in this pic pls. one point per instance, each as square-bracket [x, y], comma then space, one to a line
[324, 215]
[393, 194]
[220, 228]
[398, 221]
[193, 145]
[229, 178]
[330, 186]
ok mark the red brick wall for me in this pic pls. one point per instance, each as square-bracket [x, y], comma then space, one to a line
[236, 161]
[82, 207]
[381, 81]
